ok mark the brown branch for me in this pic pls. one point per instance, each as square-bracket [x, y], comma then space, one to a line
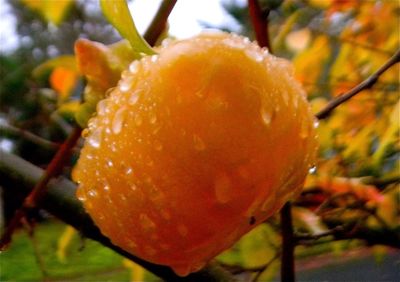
[9, 129]
[53, 170]
[366, 84]
[259, 19]
[60, 200]
[288, 244]
[159, 22]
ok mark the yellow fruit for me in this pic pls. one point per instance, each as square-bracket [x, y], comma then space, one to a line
[195, 147]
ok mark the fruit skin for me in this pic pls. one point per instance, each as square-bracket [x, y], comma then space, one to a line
[195, 147]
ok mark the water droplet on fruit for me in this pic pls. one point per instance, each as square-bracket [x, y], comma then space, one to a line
[222, 188]
[118, 120]
[158, 145]
[255, 55]
[110, 163]
[94, 139]
[304, 130]
[182, 230]
[154, 58]
[266, 116]
[316, 123]
[134, 97]
[138, 120]
[153, 118]
[102, 107]
[133, 67]
[92, 193]
[312, 170]
[128, 170]
[199, 144]
[125, 84]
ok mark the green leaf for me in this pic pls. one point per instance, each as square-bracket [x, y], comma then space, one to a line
[117, 13]
[66, 61]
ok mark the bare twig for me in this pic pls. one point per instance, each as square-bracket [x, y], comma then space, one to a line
[288, 244]
[259, 20]
[366, 84]
[159, 22]
[39, 190]
[9, 129]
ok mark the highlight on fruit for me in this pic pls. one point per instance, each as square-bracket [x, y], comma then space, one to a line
[194, 147]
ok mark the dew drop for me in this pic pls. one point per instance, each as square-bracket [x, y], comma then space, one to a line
[153, 118]
[118, 121]
[316, 123]
[222, 188]
[133, 67]
[158, 145]
[138, 120]
[254, 55]
[102, 107]
[128, 171]
[304, 130]
[134, 97]
[110, 163]
[154, 58]
[82, 197]
[85, 133]
[94, 139]
[92, 193]
[266, 116]
[312, 170]
[125, 84]
[199, 144]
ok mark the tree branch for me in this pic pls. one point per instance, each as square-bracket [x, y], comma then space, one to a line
[38, 192]
[60, 201]
[366, 84]
[159, 22]
[288, 244]
[259, 20]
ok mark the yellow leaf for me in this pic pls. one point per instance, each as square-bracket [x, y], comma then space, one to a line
[118, 15]
[298, 40]
[137, 272]
[63, 242]
[66, 61]
[63, 81]
[53, 11]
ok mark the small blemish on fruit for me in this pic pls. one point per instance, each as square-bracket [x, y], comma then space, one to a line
[252, 220]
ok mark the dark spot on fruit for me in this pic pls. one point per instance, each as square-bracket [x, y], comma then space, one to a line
[252, 220]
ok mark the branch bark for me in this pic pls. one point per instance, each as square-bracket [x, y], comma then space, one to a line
[60, 201]
[159, 22]
[366, 84]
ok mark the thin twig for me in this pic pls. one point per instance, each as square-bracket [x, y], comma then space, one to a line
[9, 129]
[159, 22]
[288, 244]
[366, 84]
[259, 19]
[54, 168]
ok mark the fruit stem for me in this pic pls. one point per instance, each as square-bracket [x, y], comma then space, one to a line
[259, 19]
[159, 22]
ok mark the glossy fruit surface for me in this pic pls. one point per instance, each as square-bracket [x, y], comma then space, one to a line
[195, 147]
